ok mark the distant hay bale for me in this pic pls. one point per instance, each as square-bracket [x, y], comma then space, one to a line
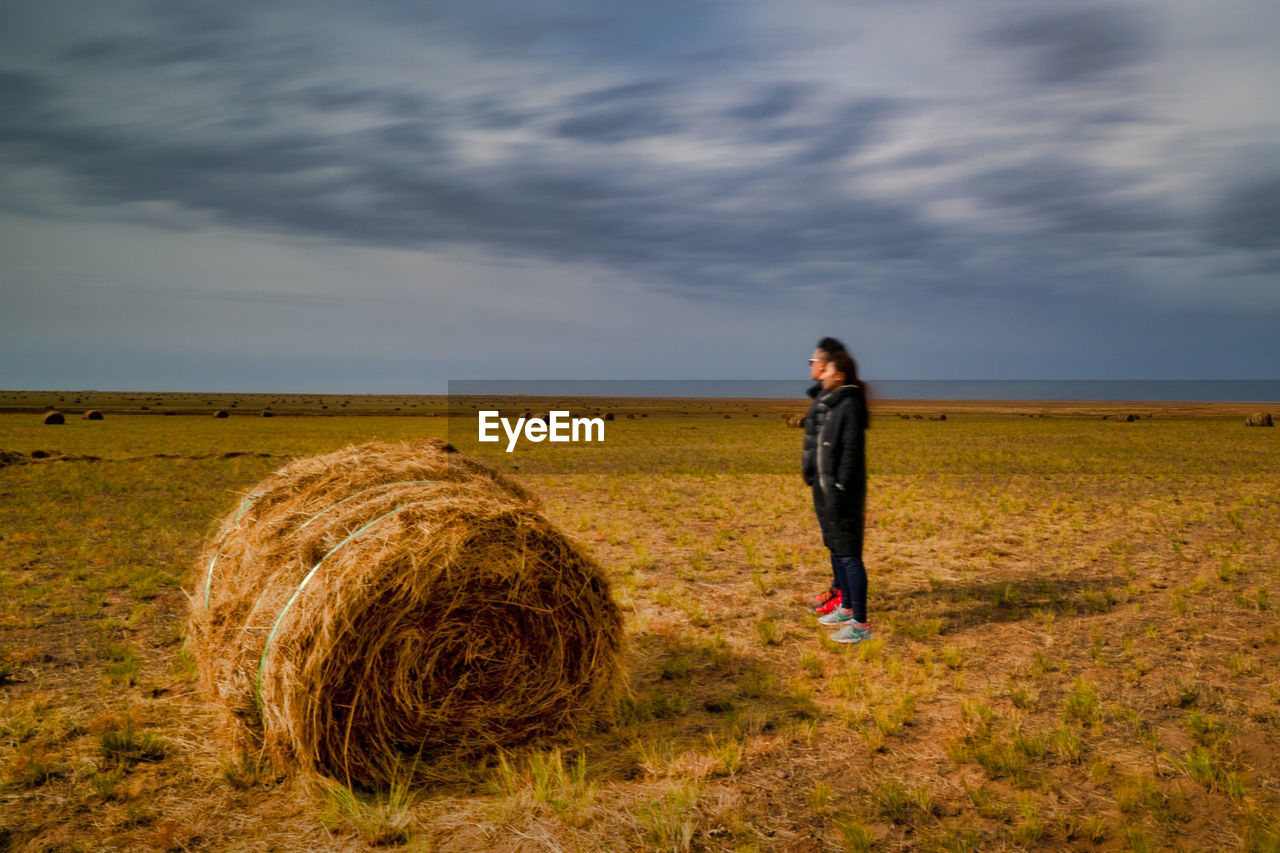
[918, 417]
[54, 418]
[938, 417]
[92, 415]
[221, 413]
[608, 416]
[1127, 419]
[904, 416]
[794, 420]
[1258, 419]
[267, 413]
[390, 602]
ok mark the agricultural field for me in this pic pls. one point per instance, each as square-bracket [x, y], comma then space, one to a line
[1075, 643]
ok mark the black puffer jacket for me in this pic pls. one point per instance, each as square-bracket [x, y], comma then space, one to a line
[808, 458]
[837, 466]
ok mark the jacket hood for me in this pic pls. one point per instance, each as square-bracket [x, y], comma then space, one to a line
[842, 391]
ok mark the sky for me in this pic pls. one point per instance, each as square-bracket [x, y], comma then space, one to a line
[380, 197]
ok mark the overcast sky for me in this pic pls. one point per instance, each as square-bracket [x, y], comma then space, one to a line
[379, 197]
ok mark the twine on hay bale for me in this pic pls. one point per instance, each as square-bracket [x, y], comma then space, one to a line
[389, 602]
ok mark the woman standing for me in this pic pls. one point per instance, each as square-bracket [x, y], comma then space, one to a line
[840, 490]
[824, 602]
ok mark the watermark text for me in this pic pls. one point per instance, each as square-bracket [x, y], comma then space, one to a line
[557, 426]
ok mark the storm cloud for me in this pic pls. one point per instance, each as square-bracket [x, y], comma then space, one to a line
[717, 153]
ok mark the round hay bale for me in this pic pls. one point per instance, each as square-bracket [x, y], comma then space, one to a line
[221, 413]
[1258, 419]
[1127, 419]
[267, 413]
[608, 416]
[795, 420]
[393, 602]
[54, 418]
[92, 415]
[938, 417]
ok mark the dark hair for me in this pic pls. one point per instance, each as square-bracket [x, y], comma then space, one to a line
[830, 346]
[846, 365]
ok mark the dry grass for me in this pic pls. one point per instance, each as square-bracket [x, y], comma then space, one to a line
[1076, 644]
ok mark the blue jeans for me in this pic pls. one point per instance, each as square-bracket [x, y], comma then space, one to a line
[851, 579]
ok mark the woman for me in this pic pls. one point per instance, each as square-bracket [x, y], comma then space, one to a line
[824, 602]
[840, 490]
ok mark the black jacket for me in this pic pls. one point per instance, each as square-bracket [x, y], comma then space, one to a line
[808, 459]
[836, 466]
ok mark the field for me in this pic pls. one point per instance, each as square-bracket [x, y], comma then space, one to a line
[1074, 644]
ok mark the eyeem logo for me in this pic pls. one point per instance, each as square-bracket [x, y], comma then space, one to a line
[557, 427]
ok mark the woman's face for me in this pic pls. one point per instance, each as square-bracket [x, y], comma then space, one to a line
[816, 362]
[831, 378]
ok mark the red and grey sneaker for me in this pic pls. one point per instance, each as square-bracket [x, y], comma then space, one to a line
[831, 602]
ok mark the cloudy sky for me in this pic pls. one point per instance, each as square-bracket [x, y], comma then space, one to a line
[383, 196]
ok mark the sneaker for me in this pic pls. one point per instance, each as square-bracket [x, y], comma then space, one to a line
[822, 608]
[836, 617]
[825, 596]
[853, 632]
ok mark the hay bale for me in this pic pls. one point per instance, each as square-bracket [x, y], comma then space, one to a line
[390, 602]
[938, 417]
[54, 418]
[794, 420]
[1258, 419]
[608, 416]
[92, 415]
[267, 413]
[1127, 419]
[221, 413]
